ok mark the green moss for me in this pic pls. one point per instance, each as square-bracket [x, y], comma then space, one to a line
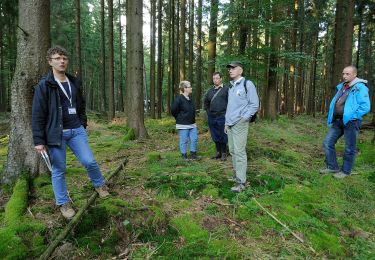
[17, 204]
[189, 229]
[222, 249]
[11, 246]
[328, 243]
[153, 157]
[211, 191]
[130, 135]
[115, 206]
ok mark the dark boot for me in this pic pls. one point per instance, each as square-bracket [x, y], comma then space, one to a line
[184, 156]
[218, 152]
[194, 156]
[224, 154]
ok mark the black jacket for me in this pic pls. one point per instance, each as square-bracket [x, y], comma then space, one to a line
[47, 122]
[218, 106]
[183, 110]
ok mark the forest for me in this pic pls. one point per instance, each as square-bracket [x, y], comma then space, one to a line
[131, 56]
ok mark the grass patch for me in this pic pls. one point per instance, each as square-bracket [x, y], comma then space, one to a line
[164, 207]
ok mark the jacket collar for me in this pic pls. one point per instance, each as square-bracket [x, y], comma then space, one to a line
[234, 83]
[50, 79]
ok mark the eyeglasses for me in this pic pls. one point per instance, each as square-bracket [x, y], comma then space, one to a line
[232, 68]
[60, 58]
[188, 87]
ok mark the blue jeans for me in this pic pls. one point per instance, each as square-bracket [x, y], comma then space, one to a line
[216, 125]
[77, 141]
[350, 132]
[185, 135]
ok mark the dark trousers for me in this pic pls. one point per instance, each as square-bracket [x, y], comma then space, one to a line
[216, 125]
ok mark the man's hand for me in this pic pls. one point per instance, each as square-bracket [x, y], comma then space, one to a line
[226, 129]
[40, 148]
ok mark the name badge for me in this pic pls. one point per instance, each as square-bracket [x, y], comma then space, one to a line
[72, 111]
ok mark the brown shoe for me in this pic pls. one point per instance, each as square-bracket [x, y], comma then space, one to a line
[67, 211]
[102, 191]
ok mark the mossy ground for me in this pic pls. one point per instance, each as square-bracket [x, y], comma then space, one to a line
[164, 207]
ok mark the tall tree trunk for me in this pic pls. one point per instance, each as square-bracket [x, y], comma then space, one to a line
[266, 58]
[360, 18]
[272, 93]
[300, 76]
[2, 56]
[191, 41]
[311, 102]
[78, 72]
[103, 98]
[134, 67]
[160, 60]
[33, 42]
[292, 67]
[212, 35]
[199, 64]
[244, 28]
[111, 61]
[120, 85]
[170, 55]
[152, 57]
[182, 55]
[343, 43]
[176, 48]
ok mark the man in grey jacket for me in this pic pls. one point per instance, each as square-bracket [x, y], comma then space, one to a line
[243, 103]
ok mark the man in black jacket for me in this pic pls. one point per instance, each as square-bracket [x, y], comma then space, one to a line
[59, 120]
[215, 104]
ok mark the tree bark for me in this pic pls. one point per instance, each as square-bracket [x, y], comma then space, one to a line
[182, 40]
[152, 57]
[2, 56]
[134, 67]
[293, 36]
[266, 59]
[300, 74]
[120, 85]
[199, 64]
[111, 61]
[244, 28]
[272, 93]
[160, 60]
[32, 45]
[170, 55]
[212, 35]
[103, 98]
[191, 41]
[343, 43]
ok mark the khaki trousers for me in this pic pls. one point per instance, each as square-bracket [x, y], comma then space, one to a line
[237, 139]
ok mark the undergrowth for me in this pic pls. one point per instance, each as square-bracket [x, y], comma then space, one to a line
[164, 207]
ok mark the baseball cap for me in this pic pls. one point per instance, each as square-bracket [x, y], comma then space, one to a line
[234, 64]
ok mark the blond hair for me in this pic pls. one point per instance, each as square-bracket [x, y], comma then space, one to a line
[183, 84]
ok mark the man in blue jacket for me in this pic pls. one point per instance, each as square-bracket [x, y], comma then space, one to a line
[59, 120]
[346, 110]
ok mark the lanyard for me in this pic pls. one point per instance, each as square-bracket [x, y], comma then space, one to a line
[64, 91]
[342, 93]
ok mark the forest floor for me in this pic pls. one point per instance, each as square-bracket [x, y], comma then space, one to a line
[164, 207]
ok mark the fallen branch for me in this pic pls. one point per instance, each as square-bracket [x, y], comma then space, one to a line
[282, 224]
[52, 246]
